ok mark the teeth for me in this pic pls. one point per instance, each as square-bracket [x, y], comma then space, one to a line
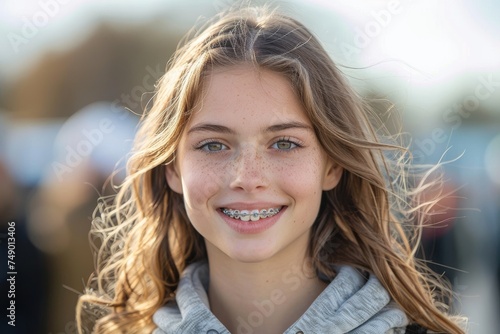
[244, 215]
[254, 215]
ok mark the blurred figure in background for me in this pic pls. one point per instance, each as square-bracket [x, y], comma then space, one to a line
[60, 162]
[462, 240]
[492, 164]
[89, 146]
[478, 234]
[439, 248]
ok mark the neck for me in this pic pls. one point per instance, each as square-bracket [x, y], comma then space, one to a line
[263, 297]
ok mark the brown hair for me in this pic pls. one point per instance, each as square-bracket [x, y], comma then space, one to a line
[145, 240]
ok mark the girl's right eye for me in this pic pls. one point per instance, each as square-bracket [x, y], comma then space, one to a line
[212, 146]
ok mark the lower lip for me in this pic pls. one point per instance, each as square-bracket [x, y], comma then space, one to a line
[252, 227]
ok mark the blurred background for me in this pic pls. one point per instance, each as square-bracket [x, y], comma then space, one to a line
[75, 75]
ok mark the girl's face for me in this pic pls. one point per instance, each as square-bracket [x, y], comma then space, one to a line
[250, 167]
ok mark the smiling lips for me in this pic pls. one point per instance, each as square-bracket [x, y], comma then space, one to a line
[253, 215]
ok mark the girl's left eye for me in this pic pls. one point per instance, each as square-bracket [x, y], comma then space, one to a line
[284, 145]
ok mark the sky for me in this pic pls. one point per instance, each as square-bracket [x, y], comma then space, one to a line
[423, 53]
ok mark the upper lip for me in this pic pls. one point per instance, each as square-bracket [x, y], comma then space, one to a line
[251, 206]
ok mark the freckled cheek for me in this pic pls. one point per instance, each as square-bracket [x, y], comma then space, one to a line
[302, 184]
[201, 181]
[302, 179]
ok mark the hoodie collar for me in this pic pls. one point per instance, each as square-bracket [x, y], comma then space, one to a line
[349, 304]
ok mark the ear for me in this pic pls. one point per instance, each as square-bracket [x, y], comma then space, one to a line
[333, 173]
[173, 177]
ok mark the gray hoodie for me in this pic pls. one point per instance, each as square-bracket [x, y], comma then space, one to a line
[349, 304]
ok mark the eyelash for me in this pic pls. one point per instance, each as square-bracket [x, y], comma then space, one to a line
[203, 145]
[297, 143]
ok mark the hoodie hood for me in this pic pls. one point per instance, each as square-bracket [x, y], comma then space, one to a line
[349, 304]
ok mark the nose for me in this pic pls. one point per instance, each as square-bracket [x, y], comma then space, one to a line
[249, 170]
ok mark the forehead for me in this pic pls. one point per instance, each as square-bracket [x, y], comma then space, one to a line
[244, 92]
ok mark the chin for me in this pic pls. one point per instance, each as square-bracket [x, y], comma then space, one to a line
[250, 258]
[251, 253]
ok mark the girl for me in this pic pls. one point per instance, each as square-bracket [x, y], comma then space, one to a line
[259, 200]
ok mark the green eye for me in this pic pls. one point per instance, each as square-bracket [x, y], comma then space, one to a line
[213, 147]
[284, 145]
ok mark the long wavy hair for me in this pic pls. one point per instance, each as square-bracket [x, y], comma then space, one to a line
[143, 238]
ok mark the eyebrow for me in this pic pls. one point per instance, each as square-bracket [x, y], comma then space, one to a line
[289, 125]
[208, 127]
